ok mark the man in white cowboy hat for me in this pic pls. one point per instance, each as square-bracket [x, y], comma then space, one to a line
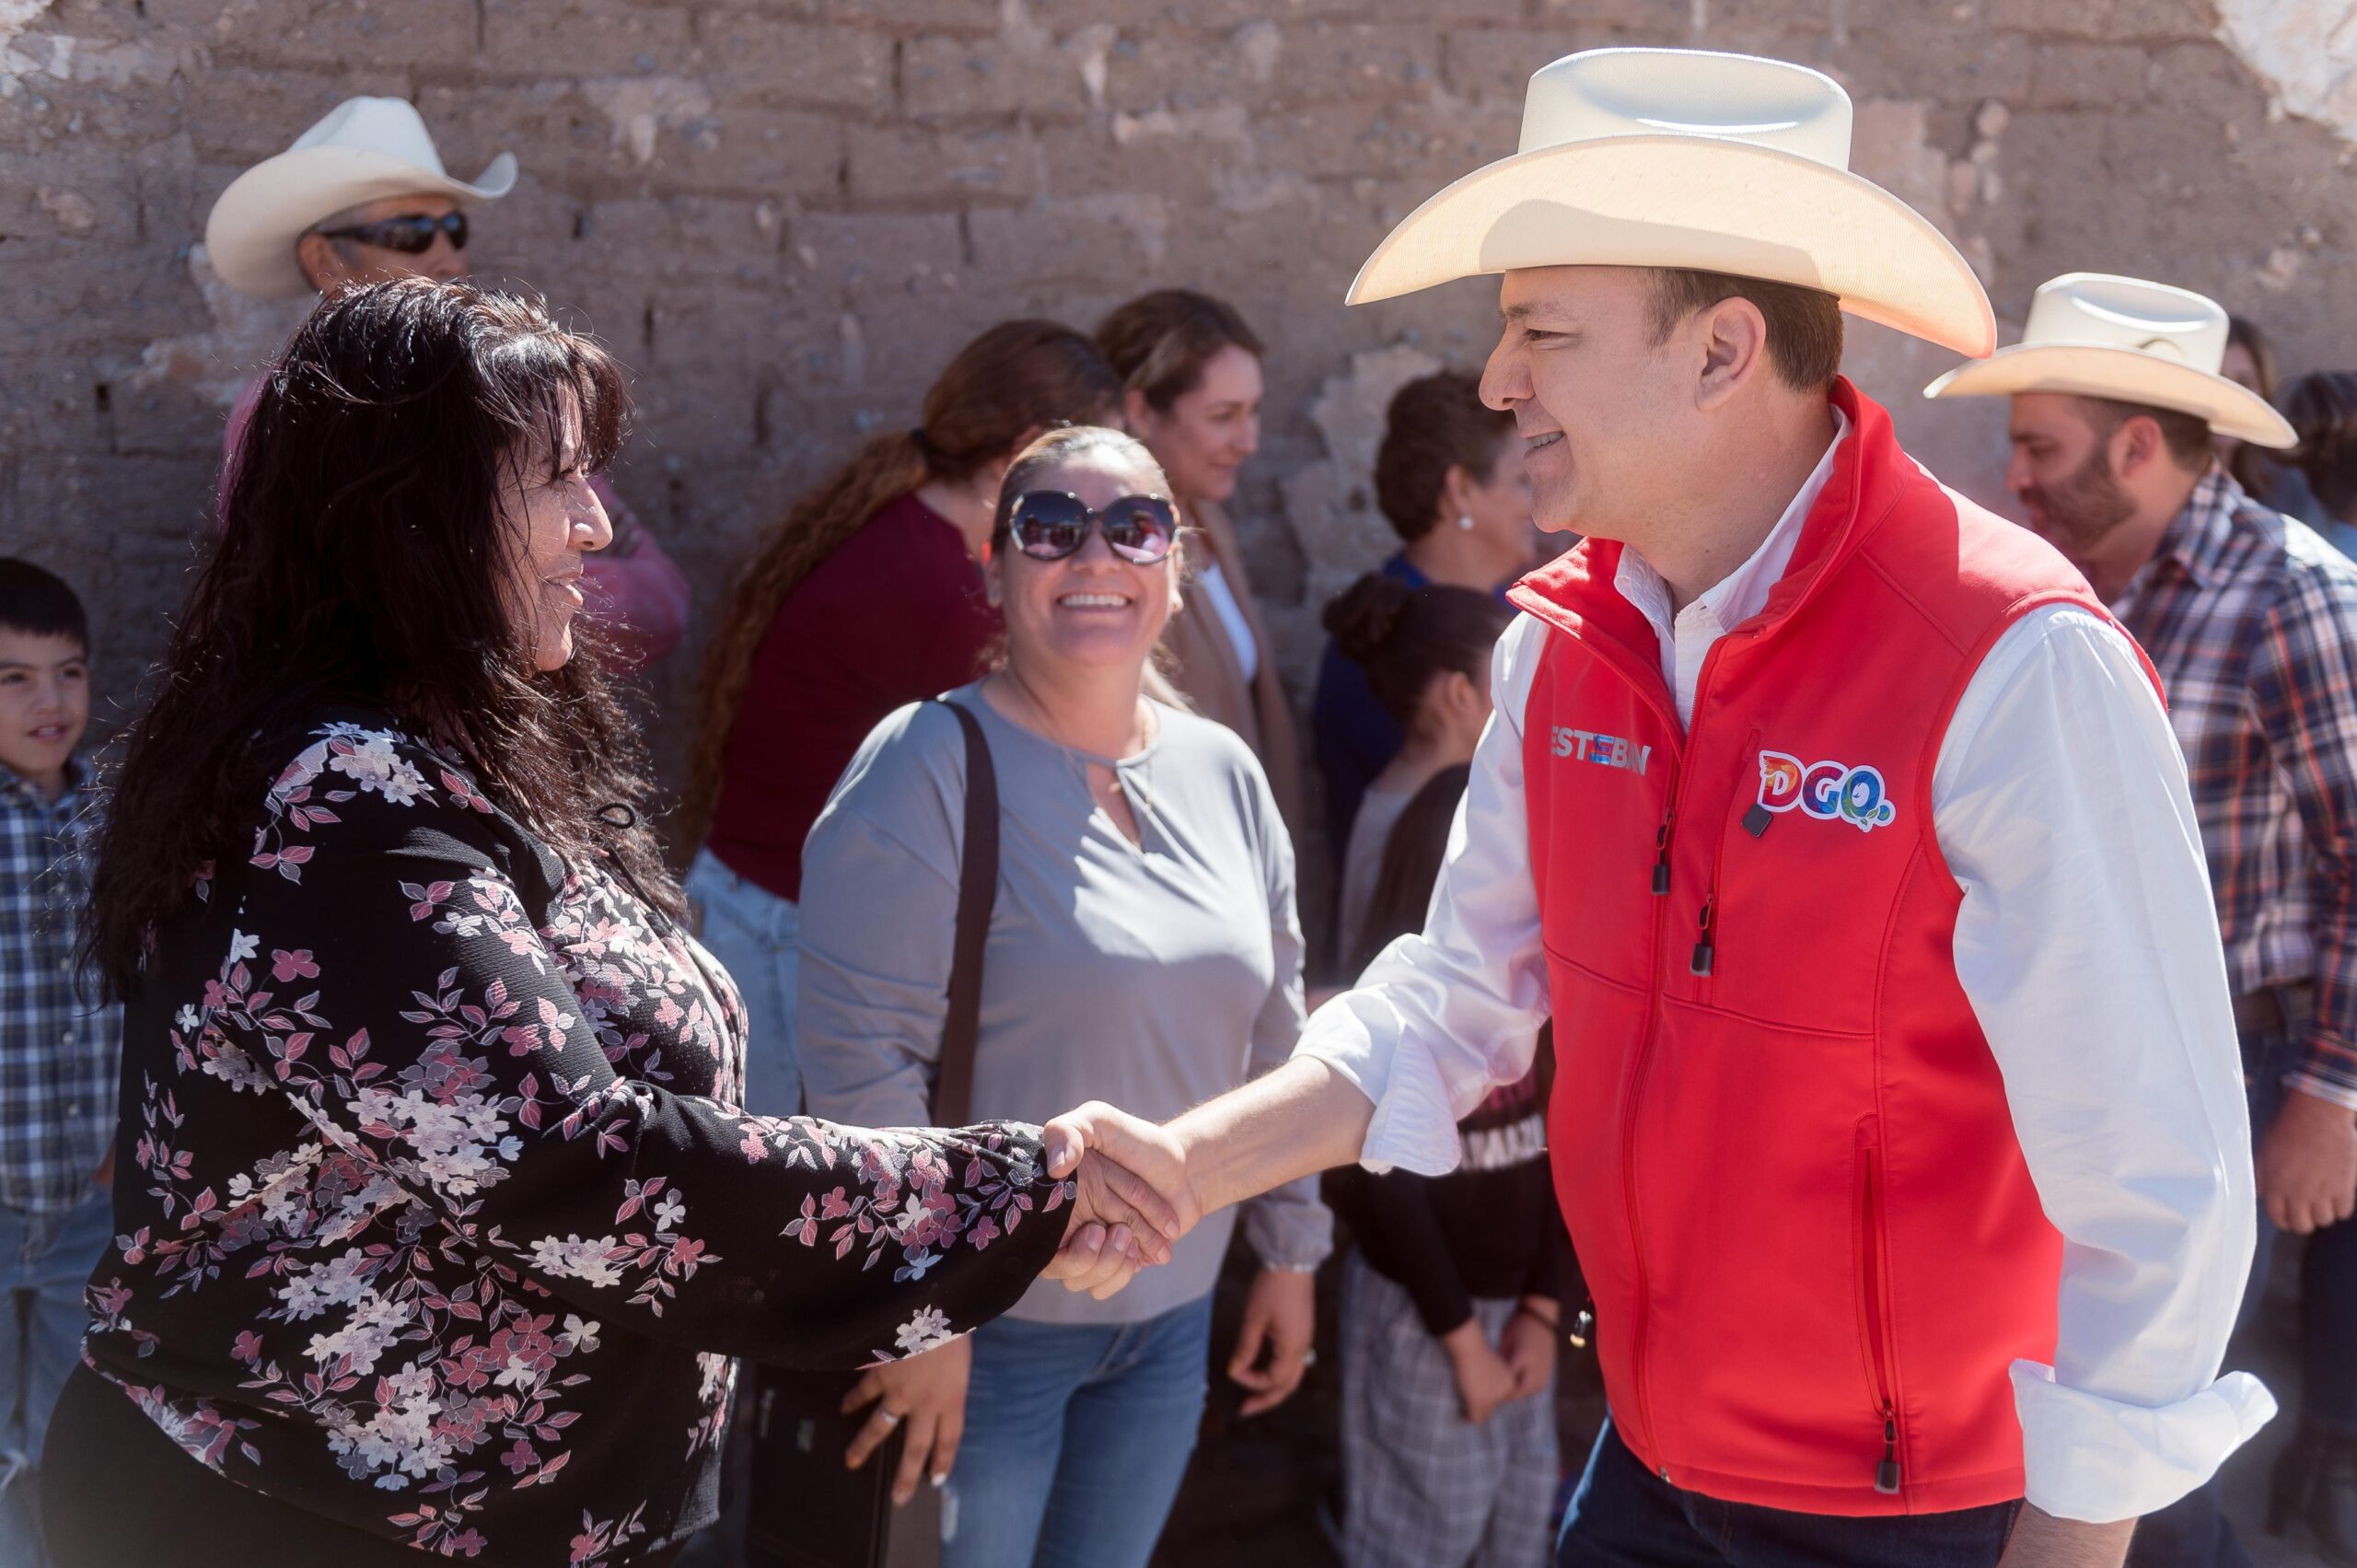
[1896, 1115]
[2251, 621]
[361, 196]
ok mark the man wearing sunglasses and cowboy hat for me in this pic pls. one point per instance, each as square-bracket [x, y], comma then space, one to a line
[1842, 835]
[2116, 391]
[361, 197]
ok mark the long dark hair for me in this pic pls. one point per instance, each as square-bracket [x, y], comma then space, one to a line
[364, 559]
[1018, 378]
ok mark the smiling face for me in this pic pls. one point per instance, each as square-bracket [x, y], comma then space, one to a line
[559, 521]
[1092, 610]
[44, 704]
[1203, 437]
[1596, 402]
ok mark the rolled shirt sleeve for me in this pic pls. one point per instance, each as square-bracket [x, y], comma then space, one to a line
[1443, 1015]
[2087, 944]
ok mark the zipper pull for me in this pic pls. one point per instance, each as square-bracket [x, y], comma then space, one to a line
[1887, 1474]
[1701, 963]
[1756, 820]
[1661, 859]
[1582, 1325]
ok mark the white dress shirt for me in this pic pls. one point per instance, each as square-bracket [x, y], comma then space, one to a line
[2086, 943]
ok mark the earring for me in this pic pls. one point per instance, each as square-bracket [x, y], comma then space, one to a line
[1464, 522]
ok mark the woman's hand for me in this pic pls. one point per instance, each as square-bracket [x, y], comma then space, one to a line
[1527, 1344]
[1281, 1314]
[1484, 1381]
[1134, 1198]
[928, 1392]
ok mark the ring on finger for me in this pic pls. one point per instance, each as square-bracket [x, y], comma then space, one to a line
[889, 1418]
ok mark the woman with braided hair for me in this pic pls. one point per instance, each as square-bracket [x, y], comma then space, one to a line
[867, 597]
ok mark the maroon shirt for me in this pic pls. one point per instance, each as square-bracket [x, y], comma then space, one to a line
[894, 616]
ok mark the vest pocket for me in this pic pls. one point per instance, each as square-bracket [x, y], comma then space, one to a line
[1873, 1331]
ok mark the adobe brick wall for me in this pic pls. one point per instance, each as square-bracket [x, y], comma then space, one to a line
[784, 214]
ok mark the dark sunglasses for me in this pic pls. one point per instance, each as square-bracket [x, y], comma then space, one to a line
[411, 235]
[1049, 524]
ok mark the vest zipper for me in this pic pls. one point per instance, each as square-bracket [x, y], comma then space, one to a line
[1705, 956]
[1660, 856]
[1871, 1327]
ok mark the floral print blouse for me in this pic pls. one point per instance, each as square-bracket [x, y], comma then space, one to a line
[436, 1213]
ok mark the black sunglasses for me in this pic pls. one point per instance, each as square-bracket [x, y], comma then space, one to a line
[412, 234]
[1049, 524]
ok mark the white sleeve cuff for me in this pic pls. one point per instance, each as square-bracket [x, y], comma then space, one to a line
[2095, 1459]
[1413, 1125]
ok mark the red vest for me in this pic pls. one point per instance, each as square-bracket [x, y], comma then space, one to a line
[1779, 1136]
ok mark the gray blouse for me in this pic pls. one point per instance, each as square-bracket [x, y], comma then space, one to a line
[1151, 975]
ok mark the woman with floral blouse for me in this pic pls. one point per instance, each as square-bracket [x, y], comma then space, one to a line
[437, 1227]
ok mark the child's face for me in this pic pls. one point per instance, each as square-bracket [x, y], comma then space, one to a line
[44, 702]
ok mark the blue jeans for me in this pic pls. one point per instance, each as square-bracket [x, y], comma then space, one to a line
[757, 936]
[45, 1260]
[1076, 1439]
[1625, 1516]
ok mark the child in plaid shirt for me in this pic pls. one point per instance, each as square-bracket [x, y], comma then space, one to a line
[58, 1042]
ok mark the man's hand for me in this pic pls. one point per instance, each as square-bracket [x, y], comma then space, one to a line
[1281, 1314]
[1484, 1381]
[2041, 1540]
[928, 1392]
[1528, 1346]
[1123, 1220]
[2307, 1164]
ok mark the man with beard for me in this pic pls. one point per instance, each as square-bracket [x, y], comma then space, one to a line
[2251, 621]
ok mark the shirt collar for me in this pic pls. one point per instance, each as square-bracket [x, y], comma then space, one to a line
[2202, 527]
[1742, 593]
[17, 790]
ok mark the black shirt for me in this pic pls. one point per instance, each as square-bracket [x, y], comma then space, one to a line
[437, 1217]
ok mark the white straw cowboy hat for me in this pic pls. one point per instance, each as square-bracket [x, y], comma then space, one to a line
[1679, 157]
[2101, 336]
[367, 149]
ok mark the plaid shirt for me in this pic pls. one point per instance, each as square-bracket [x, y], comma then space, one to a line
[59, 1049]
[2251, 619]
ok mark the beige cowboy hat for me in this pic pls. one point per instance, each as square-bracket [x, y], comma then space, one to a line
[367, 149]
[1679, 158]
[2101, 336]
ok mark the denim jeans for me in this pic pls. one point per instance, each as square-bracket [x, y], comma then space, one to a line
[45, 1260]
[1077, 1437]
[757, 936]
[1625, 1516]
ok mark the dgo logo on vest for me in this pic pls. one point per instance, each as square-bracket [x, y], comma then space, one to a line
[1832, 792]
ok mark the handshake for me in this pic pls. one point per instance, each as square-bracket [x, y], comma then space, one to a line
[1135, 1196]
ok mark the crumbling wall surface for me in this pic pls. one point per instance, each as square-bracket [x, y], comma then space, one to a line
[784, 214]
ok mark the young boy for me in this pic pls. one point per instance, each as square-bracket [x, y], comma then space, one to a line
[59, 1043]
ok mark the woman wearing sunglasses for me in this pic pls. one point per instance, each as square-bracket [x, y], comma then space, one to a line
[866, 594]
[1143, 949]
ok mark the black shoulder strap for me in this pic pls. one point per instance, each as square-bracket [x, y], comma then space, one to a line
[953, 1084]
